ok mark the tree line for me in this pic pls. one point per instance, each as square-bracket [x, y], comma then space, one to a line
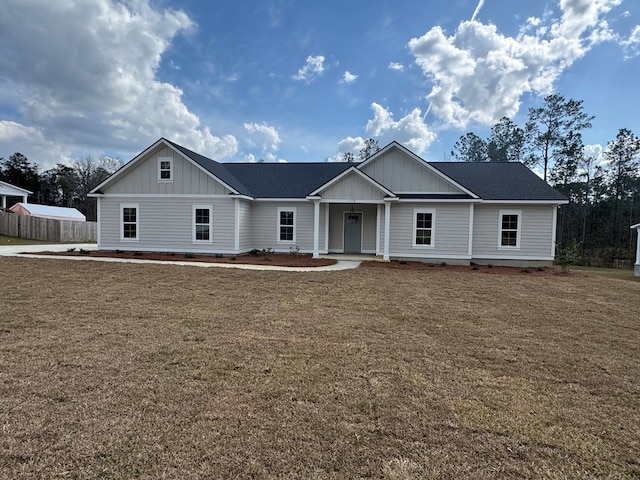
[62, 185]
[603, 193]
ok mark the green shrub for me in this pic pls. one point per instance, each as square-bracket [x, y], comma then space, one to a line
[567, 255]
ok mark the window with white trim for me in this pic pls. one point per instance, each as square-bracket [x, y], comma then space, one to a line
[509, 228]
[202, 224]
[129, 217]
[165, 169]
[424, 227]
[286, 225]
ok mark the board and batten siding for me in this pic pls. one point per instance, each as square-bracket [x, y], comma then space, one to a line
[336, 226]
[535, 237]
[187, 178]
[352, 187]
[264, 216]
[451, 240]
[401, 173]
[166, 224]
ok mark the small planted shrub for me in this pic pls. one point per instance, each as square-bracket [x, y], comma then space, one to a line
[443, 264]
[84, 252]
[72, 249]
[119, 251]
[189, 255]
[137, 254]
[294, 250]
[218, 255]
[568, 255]
[263, 252]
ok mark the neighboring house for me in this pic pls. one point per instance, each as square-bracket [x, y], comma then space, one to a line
[636, 267]
[47, 211]
[7, 190]
[394, 204]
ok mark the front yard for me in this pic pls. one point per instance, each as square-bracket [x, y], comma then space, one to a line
[128, 371]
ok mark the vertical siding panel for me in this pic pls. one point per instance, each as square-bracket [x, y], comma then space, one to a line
[400, 173]
[187, 178]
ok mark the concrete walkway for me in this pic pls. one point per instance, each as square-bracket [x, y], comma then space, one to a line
[32, 251]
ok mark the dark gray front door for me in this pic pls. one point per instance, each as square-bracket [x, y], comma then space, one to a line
[352, 232]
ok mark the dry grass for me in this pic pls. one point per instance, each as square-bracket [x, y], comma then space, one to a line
[5, 240]
[128, 371]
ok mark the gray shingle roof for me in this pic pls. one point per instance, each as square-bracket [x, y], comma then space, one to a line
[489, 181]
[285, 180]
[499, 181]
[218, 169]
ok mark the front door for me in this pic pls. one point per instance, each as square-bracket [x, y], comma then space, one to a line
[352, 232]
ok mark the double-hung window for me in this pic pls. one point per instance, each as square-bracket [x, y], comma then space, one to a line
[509, 229]
[165, 169]
[286, 225]
[129, 217]
[424, 227]
[202, 224]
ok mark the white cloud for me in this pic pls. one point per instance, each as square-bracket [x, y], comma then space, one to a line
[348, 77]
[631, 45]
[30, 142]
[410, 131]
[88, 75]
[398, 67]
[479, 75]
[312, 69]
[350, 145]
[269, 138]
[594, 151]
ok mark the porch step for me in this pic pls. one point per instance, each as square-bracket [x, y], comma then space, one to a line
[353, 257]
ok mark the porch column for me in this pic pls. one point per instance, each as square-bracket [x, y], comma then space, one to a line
[387, 225]
[236, 231]
[4, 202]
[378, 226]
[316, 228]
[24, 199]
[636, 268]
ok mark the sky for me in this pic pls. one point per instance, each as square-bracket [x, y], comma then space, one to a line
[301, 81]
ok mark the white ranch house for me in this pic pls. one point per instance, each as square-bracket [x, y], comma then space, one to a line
[7, 191]
[394, 205]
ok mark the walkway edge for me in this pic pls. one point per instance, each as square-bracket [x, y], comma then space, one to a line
[338, 266]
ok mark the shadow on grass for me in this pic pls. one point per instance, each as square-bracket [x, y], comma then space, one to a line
[617, 273]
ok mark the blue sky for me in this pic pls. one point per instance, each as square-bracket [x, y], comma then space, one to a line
[287, 80]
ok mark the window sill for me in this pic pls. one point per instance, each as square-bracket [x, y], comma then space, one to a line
[130, 240]
[502, 247]
[165, 181]
[202, 242]
[424, 246]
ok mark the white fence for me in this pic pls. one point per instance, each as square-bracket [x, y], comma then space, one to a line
[46, 229]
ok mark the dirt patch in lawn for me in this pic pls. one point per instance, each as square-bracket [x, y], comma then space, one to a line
[275, 259]
[119, 371]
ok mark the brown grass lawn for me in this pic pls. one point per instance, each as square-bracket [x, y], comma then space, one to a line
[153, 371]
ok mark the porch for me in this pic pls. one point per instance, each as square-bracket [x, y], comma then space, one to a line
[360, 229]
